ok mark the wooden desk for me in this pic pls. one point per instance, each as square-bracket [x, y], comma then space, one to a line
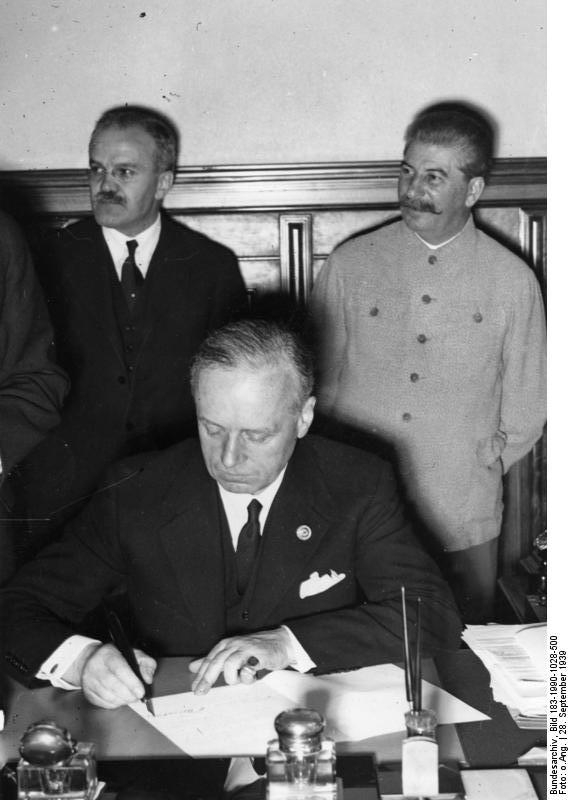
[123, 734]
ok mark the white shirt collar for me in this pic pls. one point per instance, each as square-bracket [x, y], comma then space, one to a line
[235, 505]
[442, 244]
[147, 241]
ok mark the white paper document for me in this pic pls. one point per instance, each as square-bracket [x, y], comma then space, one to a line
[516, 658]
[498, 784]
[239, 720]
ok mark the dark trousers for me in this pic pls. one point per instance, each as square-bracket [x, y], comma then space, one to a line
[472, 574]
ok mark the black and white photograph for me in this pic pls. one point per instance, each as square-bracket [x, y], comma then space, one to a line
[274, 400]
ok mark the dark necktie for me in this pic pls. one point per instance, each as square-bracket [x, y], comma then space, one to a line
[248, 545]
[131, 277]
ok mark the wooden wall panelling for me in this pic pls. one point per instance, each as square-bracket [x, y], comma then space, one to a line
[355, 185]
[253, 237]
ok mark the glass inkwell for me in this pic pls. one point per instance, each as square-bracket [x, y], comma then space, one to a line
[53, 766]
[301, 763]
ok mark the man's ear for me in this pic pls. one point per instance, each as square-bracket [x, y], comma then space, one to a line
[475, 189]
[165, 181]
[305, 417]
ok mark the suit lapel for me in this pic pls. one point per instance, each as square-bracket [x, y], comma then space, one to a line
[92, 286]
[302, 500]
[190, 535]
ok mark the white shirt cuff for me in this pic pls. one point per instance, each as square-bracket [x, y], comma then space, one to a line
[301, 661]
[61, 659]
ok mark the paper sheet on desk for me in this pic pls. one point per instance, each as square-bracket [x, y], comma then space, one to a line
[369, 701]
[238, 720]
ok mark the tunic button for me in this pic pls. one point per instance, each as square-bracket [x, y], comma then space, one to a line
[121, 379]
[425, 298]
[432, 259]
[414, 377]
[477, 317]
[421, 338]
[406, 416]
[373, 312]
[130, 368]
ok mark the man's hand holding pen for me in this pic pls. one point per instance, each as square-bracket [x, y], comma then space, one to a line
[106, 678]
[239, 658]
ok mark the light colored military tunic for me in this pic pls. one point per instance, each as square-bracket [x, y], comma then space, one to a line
[441, 353]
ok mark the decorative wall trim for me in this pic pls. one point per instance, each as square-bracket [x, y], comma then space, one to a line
[533, 235]
[366, 184]
[296, 255]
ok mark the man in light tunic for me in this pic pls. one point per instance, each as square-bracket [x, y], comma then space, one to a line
[432, 339]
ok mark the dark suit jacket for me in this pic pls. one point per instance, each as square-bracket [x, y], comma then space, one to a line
[157, 528]
[119, 405]
[32, 387]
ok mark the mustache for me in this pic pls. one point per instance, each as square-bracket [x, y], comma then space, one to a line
[109, 197]
[419, 205]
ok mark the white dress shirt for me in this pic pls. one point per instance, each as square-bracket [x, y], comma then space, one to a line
[235, 506]
[146, 240]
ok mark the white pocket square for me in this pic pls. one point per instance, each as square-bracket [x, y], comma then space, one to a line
[320, 583]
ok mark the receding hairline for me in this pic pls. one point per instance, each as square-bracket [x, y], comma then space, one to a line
[253, 343]
[156, 125]
[278, 363]
[134, 126]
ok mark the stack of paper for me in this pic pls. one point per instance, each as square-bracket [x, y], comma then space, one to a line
[516, 658]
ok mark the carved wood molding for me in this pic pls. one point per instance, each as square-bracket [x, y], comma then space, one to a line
[366, 184]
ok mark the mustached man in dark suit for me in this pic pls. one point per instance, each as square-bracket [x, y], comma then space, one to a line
[264, 543]
[131, 294]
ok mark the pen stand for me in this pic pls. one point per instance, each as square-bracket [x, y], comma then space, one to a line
[53, 766]
[301, 763]
[420, 756]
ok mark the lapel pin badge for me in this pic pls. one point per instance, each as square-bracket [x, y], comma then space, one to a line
[303, 533]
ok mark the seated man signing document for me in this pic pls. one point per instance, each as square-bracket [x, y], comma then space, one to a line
[265, 545]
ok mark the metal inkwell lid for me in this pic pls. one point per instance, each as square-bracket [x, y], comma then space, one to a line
[46, 744]
[300, 731]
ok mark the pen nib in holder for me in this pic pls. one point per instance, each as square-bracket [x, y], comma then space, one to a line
[420, 756]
